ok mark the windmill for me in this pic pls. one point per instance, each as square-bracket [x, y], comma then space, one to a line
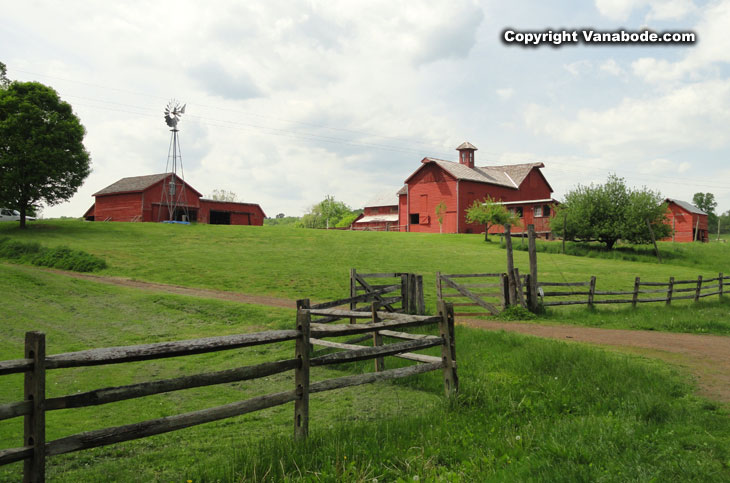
[173, 192]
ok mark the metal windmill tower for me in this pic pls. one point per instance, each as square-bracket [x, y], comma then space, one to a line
[172, 204]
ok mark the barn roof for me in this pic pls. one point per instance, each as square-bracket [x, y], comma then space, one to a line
[687, 206]
[135, 183]
[466, 145]
[403, 190]
[377, 218]
[384, 198]
[511, 175]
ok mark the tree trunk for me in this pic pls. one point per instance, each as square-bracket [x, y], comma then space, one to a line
[486, 233]
[22, 215]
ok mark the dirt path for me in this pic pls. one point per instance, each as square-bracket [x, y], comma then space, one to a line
[707, 357]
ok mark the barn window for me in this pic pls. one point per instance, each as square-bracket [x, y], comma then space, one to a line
[545, 210]
[519, 212]
[538, 211]
[415, 219]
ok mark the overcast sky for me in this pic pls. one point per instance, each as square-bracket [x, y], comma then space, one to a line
[289, 101]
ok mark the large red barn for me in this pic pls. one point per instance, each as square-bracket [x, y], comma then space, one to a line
[688, 222]
[140, 198]
[521, 187]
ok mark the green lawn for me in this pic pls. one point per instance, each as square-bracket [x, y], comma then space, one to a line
[528, 409]
[299, 263]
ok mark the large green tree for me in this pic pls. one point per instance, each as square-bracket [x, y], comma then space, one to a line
[325, 214]
[706, 202]
[42, 155]
[610, 212]
[490, 212]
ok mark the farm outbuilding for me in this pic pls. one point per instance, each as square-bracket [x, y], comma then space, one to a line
[688, 222]
[140, 198]
[521, 187]
[380, 213]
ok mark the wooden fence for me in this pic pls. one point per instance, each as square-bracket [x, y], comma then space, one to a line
[695, 290]
[36, 363]
[409, 285]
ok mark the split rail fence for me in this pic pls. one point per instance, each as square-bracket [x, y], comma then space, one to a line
[36, 363]
[409, 285]
[694, 289]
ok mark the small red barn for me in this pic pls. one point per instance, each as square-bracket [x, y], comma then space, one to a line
[380, 213]
[140, 198]
[688, 222]
[521, 187]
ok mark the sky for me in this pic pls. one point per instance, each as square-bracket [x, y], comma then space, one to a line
[291, 101]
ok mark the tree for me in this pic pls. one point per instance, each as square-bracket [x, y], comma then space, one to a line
[440, 211]
[327, 213]
[223, 195]
[4, 81]
[609, 212]
[490, 212]
[706, 202]
[42, 155]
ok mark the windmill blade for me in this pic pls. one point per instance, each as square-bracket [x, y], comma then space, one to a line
[182, 111]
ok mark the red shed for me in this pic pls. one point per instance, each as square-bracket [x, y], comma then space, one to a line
[139, 198]
[380, 213]
[688, 222]
[522, 187]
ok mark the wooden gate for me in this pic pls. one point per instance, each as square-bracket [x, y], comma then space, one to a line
[410, 285]
[476, 298]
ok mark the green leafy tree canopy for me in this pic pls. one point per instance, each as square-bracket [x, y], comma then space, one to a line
[325, 214]
[610, 212]
[706, 202]
[223, 195]
[42, 155]
[490, 212]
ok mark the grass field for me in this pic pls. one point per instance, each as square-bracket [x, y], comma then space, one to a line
[299, 263]
[528, 409]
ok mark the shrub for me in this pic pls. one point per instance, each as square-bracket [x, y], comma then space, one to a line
[63, 258]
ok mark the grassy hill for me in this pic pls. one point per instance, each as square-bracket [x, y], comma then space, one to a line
[528, 408]
[299, 263]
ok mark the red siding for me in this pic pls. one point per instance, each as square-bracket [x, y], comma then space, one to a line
[684, 224]
[427, 189]
[154, 203]
[403, 211]
[241, 213]
[118, 207]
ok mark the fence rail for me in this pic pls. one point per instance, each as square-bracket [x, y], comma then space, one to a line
[380, 324]
[700, 288]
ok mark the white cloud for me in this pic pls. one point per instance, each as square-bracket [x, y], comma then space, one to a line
[610, 66]
[620, 10]
[505, 93]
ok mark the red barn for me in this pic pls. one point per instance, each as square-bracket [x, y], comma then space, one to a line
[521, 187]
[380, 213]
[688, 222]
[140, 198]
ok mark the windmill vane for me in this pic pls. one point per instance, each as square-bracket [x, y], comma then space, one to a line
[173, 111]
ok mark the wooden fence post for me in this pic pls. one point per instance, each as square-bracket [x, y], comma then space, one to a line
[528, 294]
[505, 291]
[637, 282]
[301, 373]
[653, 240]
[420, 302]
[34, 469]
[439, 290]
[405, 303]
[519, 293]
[510, 264]
[591, 291]
[532, 251]
[377, 339]
[353, 293]
[719, 283]
[448, 351]
[698, 289]
[670, 290]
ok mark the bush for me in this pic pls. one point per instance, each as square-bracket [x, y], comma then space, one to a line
[63, 258]
[516, 312]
